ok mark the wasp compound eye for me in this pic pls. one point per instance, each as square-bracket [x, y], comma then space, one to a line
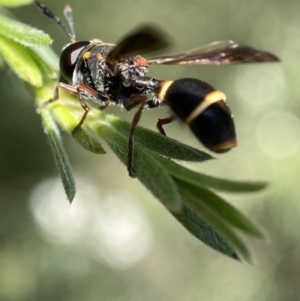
[204, 109]
[69, 57]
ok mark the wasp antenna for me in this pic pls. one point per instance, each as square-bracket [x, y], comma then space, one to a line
[47, 12]
[68, 12]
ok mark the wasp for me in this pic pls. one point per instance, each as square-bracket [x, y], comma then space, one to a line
[116, 74]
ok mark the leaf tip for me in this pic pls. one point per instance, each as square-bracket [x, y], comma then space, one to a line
[71, 198]
[236, 256]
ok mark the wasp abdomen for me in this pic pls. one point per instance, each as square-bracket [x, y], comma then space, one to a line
[204, 109]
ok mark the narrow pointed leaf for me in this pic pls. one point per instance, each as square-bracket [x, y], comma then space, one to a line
[201, 230]
[21, 62]
[2, 63]
[60, 157]
[48, 57]
[45, 66]
[202, 180]
[65, 116]
[159, 143]
[221, 226]
[89, 142]
[12, 3]
[151, 170]
[23, 34]
[222, 209]
[146, 168]
[68, 122]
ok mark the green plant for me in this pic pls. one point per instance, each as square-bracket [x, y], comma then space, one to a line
[188, 195]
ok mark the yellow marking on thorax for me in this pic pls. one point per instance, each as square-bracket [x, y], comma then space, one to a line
[86, 55]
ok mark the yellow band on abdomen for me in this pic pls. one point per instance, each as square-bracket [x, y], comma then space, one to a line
[209, 99]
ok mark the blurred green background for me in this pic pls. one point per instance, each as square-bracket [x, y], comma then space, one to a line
[116, 242]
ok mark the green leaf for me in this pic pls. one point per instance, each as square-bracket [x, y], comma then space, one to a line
[13, 3]
[88, 142]
[2, 63]
[156, 142]
[201, 230]
[21, 61]
[23, 34]
[60, 157]
[202, 212]
[47, 61]
[202, 180]
[222, 227]
[146, 168]
[222, 209]
[83, 135]
[184, 192]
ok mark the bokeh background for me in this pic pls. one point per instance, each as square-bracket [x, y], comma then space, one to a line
[116, 241]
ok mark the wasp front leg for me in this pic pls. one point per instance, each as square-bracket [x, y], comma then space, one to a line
[141, 88]
[134, 101]
[135, 94]
[145, 103]
[60, 85]
[84, 91]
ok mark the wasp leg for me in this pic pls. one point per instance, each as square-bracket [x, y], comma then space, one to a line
[162, 122]
[68, 88]
[102, 108]
[82, 88]
[76, 91]
[134, 123]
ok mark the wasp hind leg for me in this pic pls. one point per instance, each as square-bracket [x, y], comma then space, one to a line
[162, 122]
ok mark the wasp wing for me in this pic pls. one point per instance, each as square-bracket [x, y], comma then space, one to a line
[145, 39]
[217, 53]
